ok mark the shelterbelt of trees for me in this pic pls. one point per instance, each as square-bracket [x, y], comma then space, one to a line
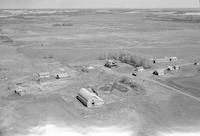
[128, 58]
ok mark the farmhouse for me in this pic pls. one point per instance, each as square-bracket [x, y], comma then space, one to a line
[110, 63]
[89, 99]
[139, 69]
[159, 72]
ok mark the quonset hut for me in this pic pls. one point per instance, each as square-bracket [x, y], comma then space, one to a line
[41, 75]
[89, 99]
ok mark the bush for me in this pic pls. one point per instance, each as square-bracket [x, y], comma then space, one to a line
[106, 88]
[48, 57]
[85, 70]
[120, 87]
[133, 85]
[125, 80]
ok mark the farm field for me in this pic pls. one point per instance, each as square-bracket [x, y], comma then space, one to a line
[191, 82]
[187, 84]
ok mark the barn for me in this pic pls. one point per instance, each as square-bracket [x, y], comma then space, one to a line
[89, 99]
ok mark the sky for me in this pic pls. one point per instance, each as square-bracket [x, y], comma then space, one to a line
[99, 4]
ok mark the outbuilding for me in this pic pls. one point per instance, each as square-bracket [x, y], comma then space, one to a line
[170, 68]
[134, 74]
[43, 75]
[59, 75]
[173, 58]
[161, 60]
[89, 99]
[159, 72]
[90, 67]
[139, 69]
[20, 90]
[176, 67]
[197, 63]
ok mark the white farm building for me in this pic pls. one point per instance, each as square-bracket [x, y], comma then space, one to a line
[159, 72]
[173, 58]
[89, 99]
[20, 90]
[41, 75]
[139, 69]
[60, 75]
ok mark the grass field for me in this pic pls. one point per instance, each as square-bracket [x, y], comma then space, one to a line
[46, 40]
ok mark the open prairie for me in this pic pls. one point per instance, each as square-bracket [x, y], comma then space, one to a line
[72, 41]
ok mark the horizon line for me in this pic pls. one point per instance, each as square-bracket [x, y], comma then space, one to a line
[97, 8]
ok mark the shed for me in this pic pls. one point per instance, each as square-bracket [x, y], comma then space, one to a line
[90, 67]
[159, 72]
[44, 75]
[89, 99]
